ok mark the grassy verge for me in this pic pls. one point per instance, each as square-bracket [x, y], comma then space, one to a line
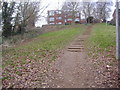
[44, 46]
[102, 37]
[101, 51]
[31, 33]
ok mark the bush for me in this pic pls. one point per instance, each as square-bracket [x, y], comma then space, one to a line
[112, 22]
[16, 39]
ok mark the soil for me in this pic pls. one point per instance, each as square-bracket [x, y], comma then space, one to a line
[74, 69]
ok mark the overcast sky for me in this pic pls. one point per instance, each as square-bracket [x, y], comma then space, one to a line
[56, 4]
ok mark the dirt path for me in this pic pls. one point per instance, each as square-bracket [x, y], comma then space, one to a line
[73, 69]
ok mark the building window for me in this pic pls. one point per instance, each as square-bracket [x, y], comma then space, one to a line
[70, 19]
[51, 23]
[65, 20]
[59, 18]
[58, 12]
[51, 13]
[59, 22]
[52, 19]
[77, 19]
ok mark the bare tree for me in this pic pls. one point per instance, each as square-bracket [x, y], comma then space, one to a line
[88, 9]
[71, 8]
[103, 9]
[27, 14]
[99, 10]
[0, 13]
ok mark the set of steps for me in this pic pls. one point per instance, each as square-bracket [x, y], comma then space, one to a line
[77, 45]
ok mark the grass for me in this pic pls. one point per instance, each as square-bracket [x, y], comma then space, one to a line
[102, 37]
[47, 44]
[42, 46]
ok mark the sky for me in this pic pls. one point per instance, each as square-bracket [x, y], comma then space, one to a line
[55, 4]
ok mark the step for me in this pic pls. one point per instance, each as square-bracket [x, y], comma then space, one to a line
[75, 48]
[79, 40]
[72, 50]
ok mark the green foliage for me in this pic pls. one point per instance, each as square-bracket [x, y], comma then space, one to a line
[7, 12]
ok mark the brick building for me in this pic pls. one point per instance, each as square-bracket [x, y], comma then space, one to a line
[62, 17]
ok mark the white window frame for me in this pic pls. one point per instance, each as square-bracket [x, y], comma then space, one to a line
[69, 19]
[77, 19]
[51, 13]
[51, 19]
[51, 23]
[59, 18]
[58, 12]
[59, 23]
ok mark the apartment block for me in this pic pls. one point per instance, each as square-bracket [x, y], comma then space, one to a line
[62, 17]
